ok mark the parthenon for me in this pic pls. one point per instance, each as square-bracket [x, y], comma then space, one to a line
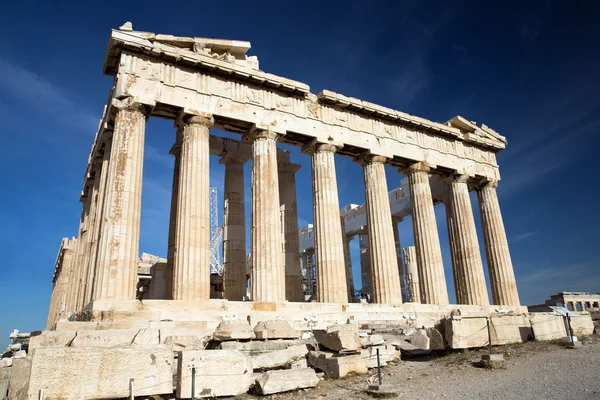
[203, 84]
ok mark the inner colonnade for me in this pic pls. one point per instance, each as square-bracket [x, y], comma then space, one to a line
[212, 83]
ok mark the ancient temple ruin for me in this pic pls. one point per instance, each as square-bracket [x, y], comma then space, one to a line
[96, 309]
[205, 83]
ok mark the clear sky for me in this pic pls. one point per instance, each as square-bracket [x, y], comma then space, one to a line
[528, 69]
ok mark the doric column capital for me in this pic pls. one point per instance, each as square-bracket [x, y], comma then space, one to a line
[260, 133]
[315, 146]
[176, 149]
[487, 183]
[129, 104]
[288, 167]
[397, 220]
[233, 159]
[369, 158]
[454, 178]
[186, 118]
[422, 166]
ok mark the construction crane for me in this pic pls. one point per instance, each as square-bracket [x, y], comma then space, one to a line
[216, 235]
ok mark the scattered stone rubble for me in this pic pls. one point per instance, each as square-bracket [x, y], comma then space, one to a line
[268, 357]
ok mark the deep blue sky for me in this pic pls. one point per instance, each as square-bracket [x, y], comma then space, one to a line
[529, 71]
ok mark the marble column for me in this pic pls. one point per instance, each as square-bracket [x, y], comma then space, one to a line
[120, 236]
[365, 262]
[191, 266]
[289, 223]
[68, 283]
[432, 280]
[268, 276]
[469, 278]
[384, 260]
[100, 191]
[78, 272]
[348, 261]
[401, 269]
[234, 229]
[412, 275]
[176, 153]
[329, 244]
[502, 275]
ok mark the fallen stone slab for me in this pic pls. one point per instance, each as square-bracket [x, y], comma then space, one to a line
[230, 330]
[258, 347]
[408, 349]
[387, 353]
[19, 378]
[180, 343]
[420, 339]
[217, 373]
[279, 358]
[340, 338]
[286, 380]
[492, 361]
[338, 366]
[275, 329]
[202, 334]
[371, 340]
[101, 373]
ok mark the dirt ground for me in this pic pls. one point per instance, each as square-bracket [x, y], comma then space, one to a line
[535, 370]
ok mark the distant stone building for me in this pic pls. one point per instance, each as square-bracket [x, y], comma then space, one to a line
[574, 301]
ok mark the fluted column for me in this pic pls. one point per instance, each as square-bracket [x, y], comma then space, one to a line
[68, 283]
[427, 242]
[289, 224]
[398, 247]
[348, 261]
[384, 261]
[412, 275]
[191, 267]
[502, 275]
[365, 261]
[78, 271]
[329, 245]
[120, 237]
[234, 229]
[176, 153]
[469, 278]
[94, 241]
[268, 276]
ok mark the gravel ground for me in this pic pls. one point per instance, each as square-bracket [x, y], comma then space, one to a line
[543, 370]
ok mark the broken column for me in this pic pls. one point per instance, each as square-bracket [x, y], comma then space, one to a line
[466, 259]
[191, 269]
[427, 242]
[234, 229]
[384, 261]
[365, 262]
[268, 278]
[412, 274]
[289, 223]
[119, 243]
[329, 246]
[502, 275]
